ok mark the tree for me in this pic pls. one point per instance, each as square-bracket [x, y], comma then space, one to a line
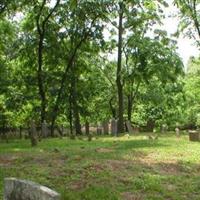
[41, 23]
[190, 17]
[191, 89]
[57, 56]
[119, 70]
[81, 29]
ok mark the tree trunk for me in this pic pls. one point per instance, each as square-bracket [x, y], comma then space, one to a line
[41, 29]
[113, 110]
[75, 107]
[33, 134]
[70, 117]
[131, 99]
[130, 105]
[119, 71]
[62, 84]
[150, 125]
[40, 77]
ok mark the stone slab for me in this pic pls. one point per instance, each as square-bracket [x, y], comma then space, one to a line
[16, 189]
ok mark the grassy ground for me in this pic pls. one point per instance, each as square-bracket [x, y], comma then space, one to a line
[134, 168]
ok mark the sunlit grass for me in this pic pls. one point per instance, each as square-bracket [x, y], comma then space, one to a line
[108, 167]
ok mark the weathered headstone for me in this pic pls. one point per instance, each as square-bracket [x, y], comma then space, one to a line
[114, 127]
[33, 134]
[87, 128]
[129, 127]
[194, 136]
[16, 189]
[164, 128]
[44, 129]
[177, 130]
[105, 126]
[99, 130]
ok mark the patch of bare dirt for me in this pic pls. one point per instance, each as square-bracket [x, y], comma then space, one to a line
[131, 196]
[169, 168]
[7, 160]
[78, 185]
[118, 164]
[95, 167]
[104, 150]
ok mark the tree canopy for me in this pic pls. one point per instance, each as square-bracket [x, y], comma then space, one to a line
[57, 64]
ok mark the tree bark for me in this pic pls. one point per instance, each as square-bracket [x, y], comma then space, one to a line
[40, 76]
[131, 99]
[195, 18]
[41, 29]
[112, 109]
[150, 125]
[74, 99]
[70, 115]
[119, 70]
[64, 77]
[62, 84]
[130, 104]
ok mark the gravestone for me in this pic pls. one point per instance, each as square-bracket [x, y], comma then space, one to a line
[194, 136]
[177, 130]
[105, 126]
[33, 134]
[129, 127]
[87, 128]
[164, 128]
[99, 130]
[114, 127]
[16, 189]
[44, 129]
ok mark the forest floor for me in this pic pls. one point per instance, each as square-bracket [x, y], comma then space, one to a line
[108, 168]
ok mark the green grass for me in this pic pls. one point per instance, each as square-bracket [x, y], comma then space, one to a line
[108, 168]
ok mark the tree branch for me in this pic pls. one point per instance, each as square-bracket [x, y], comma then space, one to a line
[39, 16]
[49, 15]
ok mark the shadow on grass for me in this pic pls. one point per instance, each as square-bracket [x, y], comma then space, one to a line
[118, 145]
[105, 174]
[134, 144]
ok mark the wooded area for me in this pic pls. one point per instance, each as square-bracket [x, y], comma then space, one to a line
[99, 68]
[57, 65]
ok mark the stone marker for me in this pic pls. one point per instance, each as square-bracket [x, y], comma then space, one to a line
[114, 127]
[16, 189]
[99, 130]
[129, 126]
[44, 129]
[194, 136]
[164, 128]
[177, 130]
[33, 134]
[105, 126]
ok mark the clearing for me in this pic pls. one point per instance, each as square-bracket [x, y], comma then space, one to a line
[123, 168]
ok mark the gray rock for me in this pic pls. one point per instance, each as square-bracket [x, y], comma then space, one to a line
[16, 189]
[45, 131]
[114, 127]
